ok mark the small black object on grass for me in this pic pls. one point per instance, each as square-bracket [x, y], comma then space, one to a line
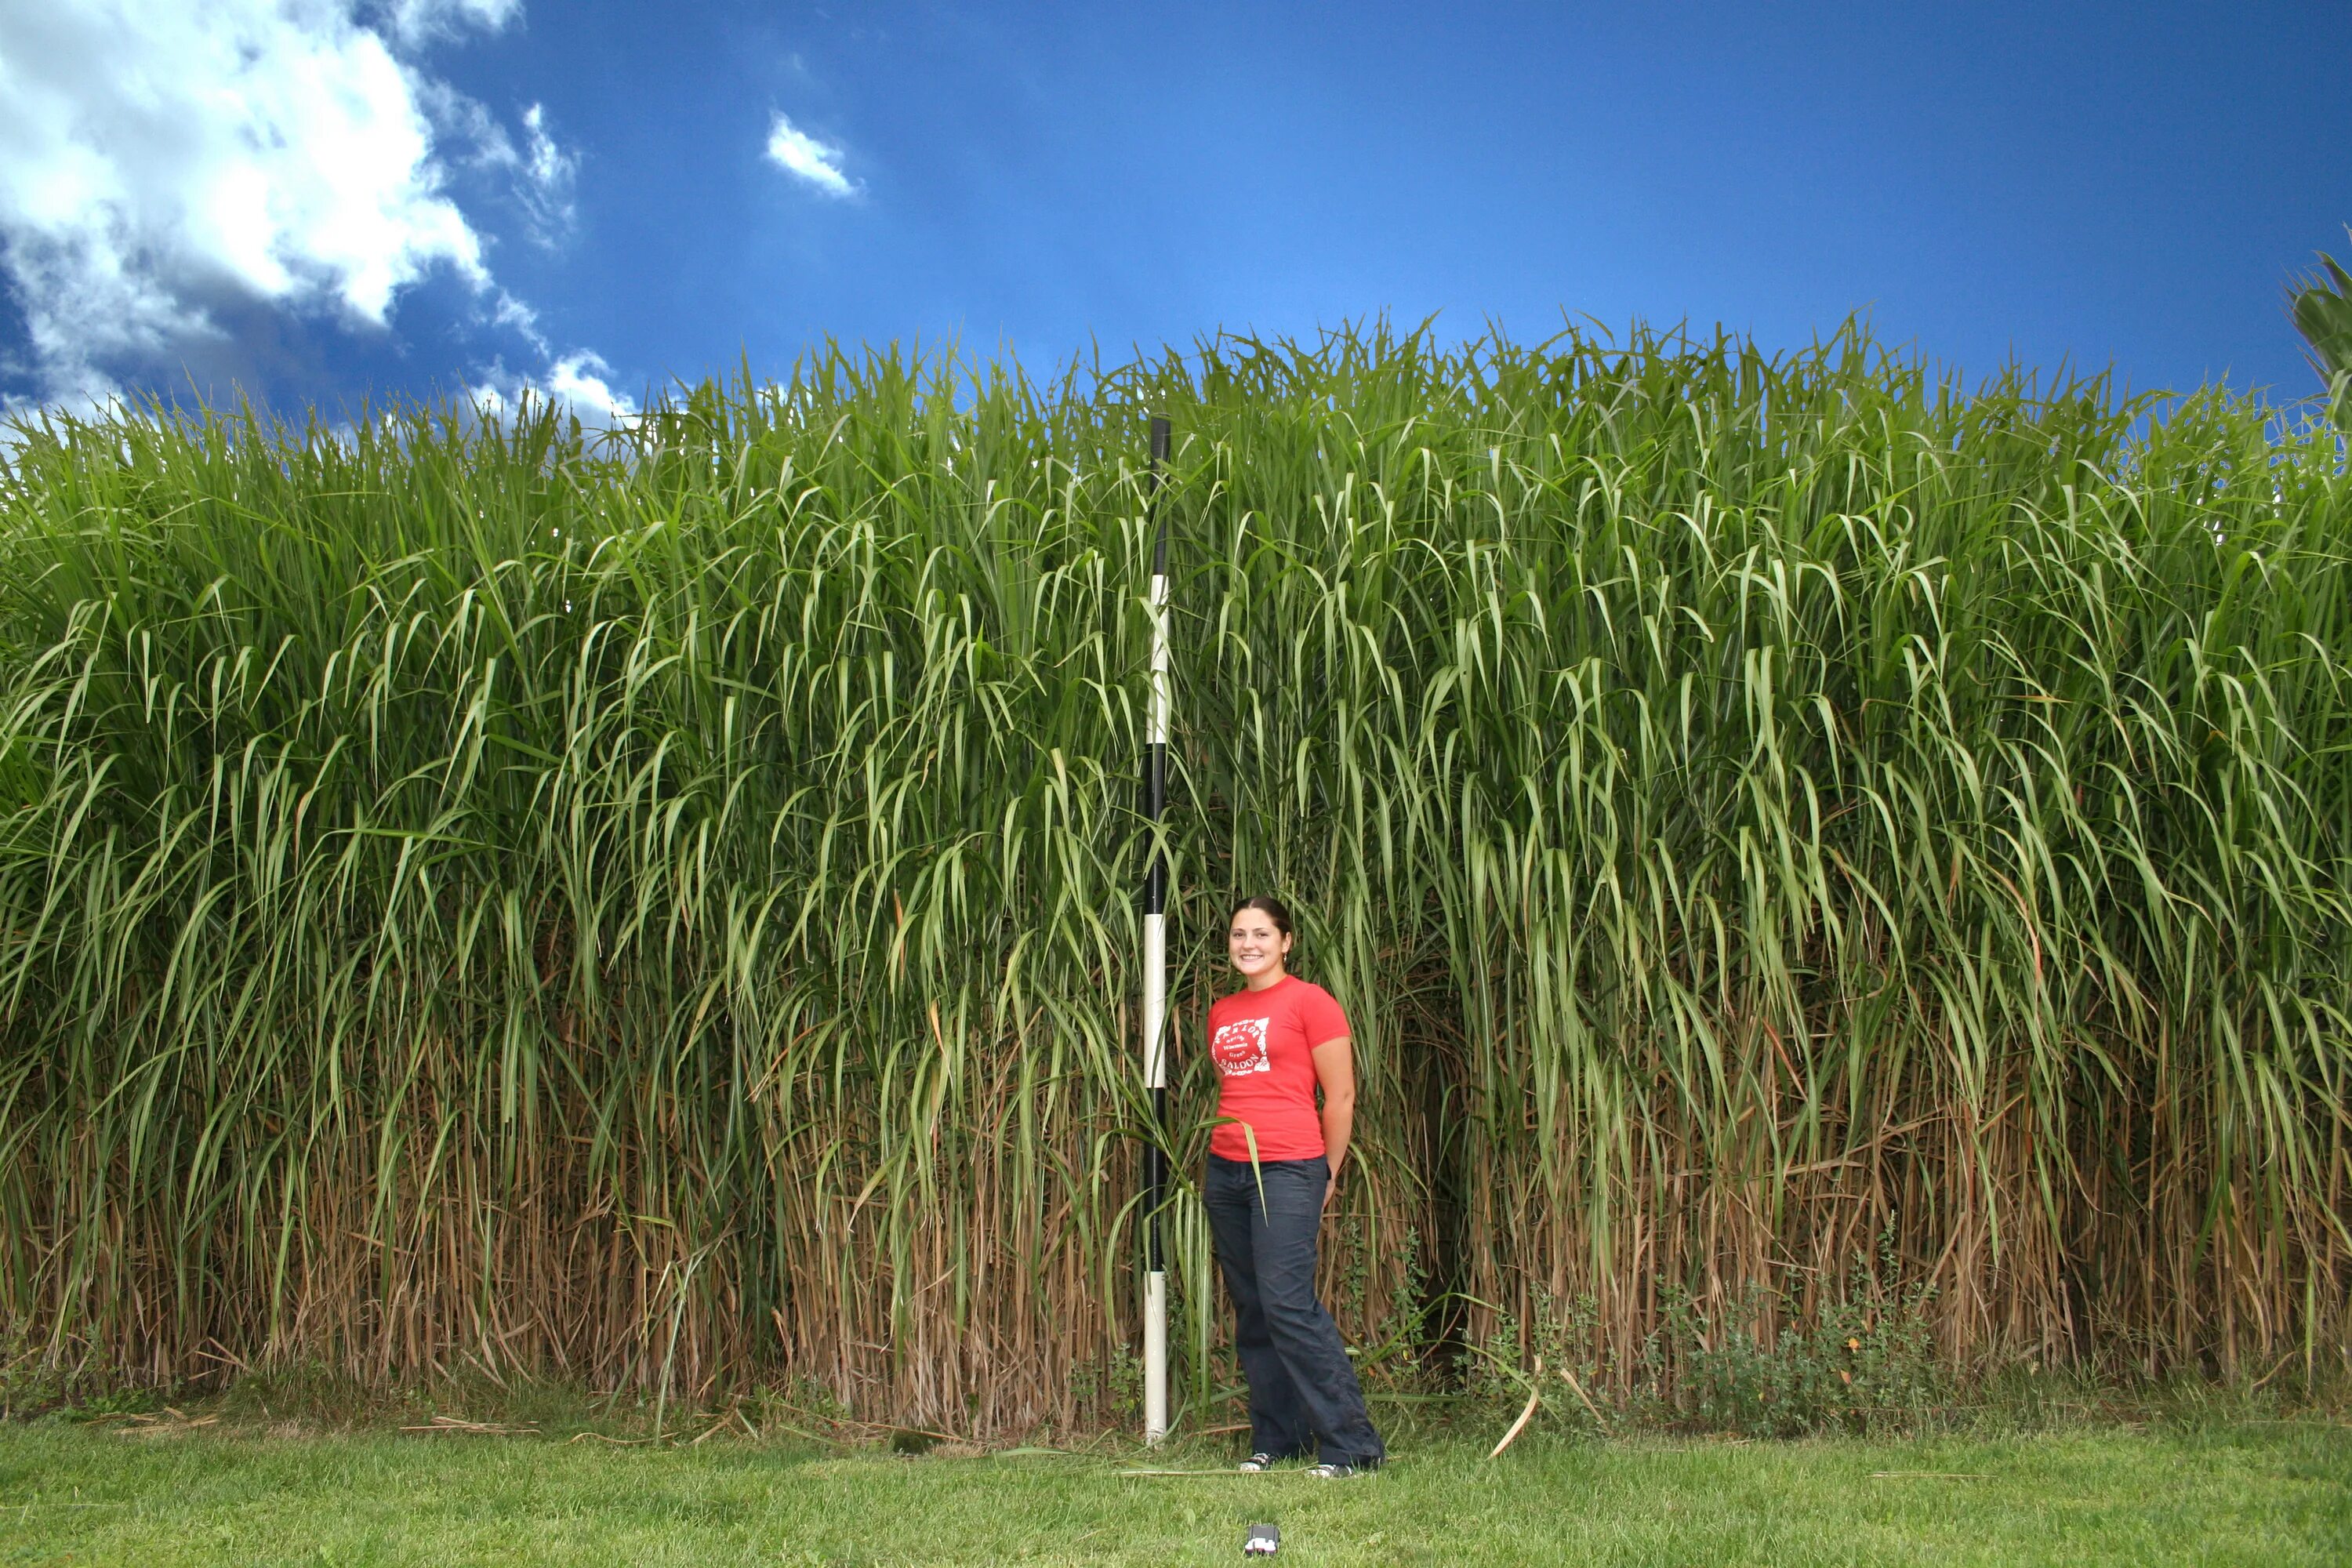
[1263, 1541]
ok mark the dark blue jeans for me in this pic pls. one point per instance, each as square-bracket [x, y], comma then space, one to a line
[1302, 1391]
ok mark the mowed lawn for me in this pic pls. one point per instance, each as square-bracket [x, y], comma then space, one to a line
[2268, 1493]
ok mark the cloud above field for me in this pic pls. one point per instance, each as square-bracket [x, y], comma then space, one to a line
[541, 173]
[802, 156]
[580, 382]
[416, 22]
[173, 175]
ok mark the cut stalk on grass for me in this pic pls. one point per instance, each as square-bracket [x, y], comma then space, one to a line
[655, 909]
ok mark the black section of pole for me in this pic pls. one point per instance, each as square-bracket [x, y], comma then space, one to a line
[1155, 877]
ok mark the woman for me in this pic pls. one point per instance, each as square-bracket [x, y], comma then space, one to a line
[1273, 1164]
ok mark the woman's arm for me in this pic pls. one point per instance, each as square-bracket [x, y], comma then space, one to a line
[1335, 1070]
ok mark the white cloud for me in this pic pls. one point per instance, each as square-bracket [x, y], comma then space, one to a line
[177, 174]
[799, 153]
[513, 313]
[540, 174]
[579, 380]
[154, 159]
[580, 383]
[548, 173]
[414, 22]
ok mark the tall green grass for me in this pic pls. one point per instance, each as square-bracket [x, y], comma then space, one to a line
[2321, 305]
[658, 908]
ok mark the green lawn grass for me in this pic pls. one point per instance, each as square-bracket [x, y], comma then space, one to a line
[2268, 1493]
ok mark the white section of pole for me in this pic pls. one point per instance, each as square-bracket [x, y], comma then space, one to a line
[1155, 1001]
[1162, 701]
[1155, 1077]
[1155, 1358]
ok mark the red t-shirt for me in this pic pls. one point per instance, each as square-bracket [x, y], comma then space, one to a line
[1262, 1042]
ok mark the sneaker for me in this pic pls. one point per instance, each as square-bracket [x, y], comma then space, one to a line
[1337, 1472]
[1255, 1462]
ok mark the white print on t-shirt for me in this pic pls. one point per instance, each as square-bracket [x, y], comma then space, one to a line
[1240, 1047]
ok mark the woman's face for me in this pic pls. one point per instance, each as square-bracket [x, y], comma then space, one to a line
[1256, 946]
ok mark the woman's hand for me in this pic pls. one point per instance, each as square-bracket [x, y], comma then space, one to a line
[1335, 1074]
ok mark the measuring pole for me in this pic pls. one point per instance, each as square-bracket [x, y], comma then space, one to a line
[1155, 969]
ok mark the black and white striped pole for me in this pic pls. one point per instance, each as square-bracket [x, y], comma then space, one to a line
[1155, 970]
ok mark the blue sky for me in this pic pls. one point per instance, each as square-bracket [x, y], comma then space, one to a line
[332, 200]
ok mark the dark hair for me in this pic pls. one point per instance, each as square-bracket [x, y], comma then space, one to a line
[1274, 909]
